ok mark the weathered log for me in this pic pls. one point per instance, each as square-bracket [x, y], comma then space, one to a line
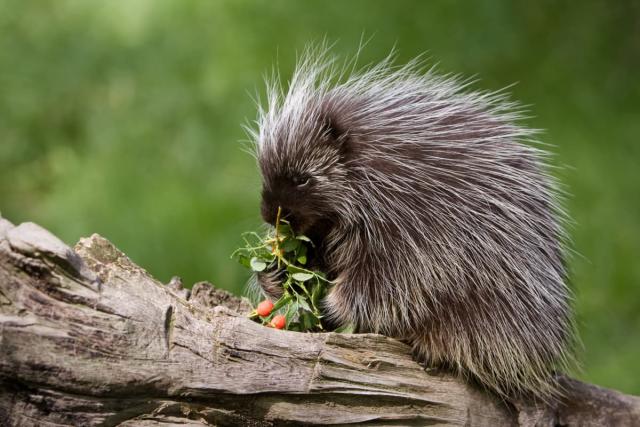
[89, 338]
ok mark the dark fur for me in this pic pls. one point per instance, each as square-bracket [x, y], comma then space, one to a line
[432, 211]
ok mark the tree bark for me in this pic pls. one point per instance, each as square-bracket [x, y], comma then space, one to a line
[89, 338]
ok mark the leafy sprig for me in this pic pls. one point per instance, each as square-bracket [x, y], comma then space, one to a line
[303, 288]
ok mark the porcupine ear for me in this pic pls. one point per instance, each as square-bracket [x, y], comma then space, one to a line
[337, 134]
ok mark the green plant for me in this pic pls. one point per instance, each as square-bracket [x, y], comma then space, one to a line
[303, 288]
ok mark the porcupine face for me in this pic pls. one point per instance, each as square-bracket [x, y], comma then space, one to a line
[293, 191]
[301, 170]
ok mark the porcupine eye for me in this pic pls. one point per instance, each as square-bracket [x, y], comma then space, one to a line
[301, 181]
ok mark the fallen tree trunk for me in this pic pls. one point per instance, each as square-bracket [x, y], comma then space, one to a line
[89, 338]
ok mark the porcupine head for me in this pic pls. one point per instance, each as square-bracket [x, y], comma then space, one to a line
[433, 212]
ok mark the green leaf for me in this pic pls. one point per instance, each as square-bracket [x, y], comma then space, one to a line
[304, 304]
[296, 269]
[284, 230]
[254, 235]
[317, 294]
[292, 310]
[290, 245]
[265, 256]
[308, 320]
[284, 300]
[302, 277]
[257, 264]
[301, 254]
[244, 260]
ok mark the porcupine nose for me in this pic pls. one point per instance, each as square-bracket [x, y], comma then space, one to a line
[287, 215]
[270, 215]
[290, 217]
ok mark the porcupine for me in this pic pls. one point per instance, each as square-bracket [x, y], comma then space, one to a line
[433, 212]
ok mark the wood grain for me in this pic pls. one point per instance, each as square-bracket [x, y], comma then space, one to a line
[87, 337]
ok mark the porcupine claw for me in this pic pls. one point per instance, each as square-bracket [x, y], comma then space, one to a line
[271, 283]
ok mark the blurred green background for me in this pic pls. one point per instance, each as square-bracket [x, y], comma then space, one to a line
[124, 118]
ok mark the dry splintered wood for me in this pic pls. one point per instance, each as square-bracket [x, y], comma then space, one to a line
[89, 338]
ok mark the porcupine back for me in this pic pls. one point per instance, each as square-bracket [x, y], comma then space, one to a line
[445, 226]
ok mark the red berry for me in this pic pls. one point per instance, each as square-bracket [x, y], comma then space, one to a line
[279, 321]
[264, 308]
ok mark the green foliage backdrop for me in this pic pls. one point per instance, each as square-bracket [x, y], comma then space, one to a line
[124, 118]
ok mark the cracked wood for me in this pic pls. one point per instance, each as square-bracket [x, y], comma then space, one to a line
[89, 338]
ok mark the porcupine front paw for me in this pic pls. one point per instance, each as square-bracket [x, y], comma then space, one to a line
[422, 356]
[271, 283]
